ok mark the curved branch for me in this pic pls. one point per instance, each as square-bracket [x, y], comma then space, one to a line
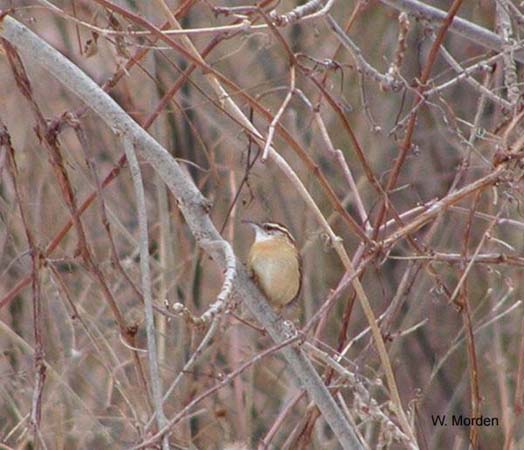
[472, 32]
[192, 204]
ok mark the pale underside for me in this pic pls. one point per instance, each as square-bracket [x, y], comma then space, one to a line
[276, 269]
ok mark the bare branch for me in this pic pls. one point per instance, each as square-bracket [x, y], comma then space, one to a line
[191, 202]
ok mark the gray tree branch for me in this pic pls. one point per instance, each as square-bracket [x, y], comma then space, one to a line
[472, 32]
[192, 204]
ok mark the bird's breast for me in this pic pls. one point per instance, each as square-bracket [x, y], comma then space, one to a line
[276, 268]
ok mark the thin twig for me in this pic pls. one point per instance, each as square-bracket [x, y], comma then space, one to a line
[278, 115]
[143, 242]
[191, 203]
[474, 33]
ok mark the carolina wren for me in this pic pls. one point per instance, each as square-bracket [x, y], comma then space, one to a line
[274, 263]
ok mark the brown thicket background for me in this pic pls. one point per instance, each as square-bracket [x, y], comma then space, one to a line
[450, 287]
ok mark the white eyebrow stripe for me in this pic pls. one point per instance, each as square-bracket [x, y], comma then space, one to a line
[282, 228]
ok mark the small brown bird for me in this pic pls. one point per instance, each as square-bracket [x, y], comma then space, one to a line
[274, 263]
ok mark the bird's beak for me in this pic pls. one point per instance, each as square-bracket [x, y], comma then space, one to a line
[254, 225]
[250, 222]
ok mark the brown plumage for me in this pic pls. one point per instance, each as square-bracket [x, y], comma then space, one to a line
[275, 264]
